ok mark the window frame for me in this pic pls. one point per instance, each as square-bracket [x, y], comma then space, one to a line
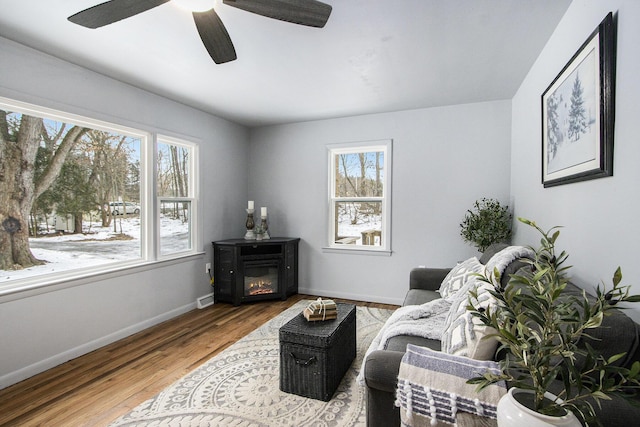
[149, 204]
[386, 146]
[192, 198]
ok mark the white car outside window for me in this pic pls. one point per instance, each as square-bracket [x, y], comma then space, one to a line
[118, 208]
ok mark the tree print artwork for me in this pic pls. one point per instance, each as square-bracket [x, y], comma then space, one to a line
[578, 112]
[571, 112]
[577, 119]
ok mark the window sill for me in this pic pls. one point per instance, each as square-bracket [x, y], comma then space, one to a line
[356, 251]
[39, 285]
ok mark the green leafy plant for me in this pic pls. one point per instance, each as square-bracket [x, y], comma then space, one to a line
[539, 326]
[487, 223]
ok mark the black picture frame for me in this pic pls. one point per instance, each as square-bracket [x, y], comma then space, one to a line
[578, 112]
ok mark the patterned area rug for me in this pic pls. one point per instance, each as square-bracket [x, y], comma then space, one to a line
[240, 386]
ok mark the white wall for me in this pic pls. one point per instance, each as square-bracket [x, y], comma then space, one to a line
[600, 217]
[443, 160]
[41, 331]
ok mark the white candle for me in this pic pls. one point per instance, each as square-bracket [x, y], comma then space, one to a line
[250, 206]
[263, 211]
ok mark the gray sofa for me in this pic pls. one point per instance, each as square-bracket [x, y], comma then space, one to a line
[617, 334]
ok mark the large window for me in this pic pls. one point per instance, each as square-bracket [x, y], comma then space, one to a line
[77, 196]
[359, 196]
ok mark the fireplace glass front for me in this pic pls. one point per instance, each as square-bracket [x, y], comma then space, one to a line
[260, 279]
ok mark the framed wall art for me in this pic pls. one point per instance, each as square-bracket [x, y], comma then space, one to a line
[578, 112]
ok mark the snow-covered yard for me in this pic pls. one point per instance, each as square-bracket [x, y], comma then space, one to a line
[365, 222]
[102, 245]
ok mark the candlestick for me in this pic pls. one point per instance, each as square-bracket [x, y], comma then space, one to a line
[250, 235]
[265, 226]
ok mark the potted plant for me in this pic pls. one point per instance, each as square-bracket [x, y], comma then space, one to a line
[538, 326]
[487, 223]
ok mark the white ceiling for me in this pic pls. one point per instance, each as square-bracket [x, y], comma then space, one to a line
[372, 56]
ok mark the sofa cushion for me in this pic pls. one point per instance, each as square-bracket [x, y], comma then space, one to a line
[419, 297]
[399, 343]
[381, 370]
[459, 276]
[491, 251]
[427, 278]
[464, 334]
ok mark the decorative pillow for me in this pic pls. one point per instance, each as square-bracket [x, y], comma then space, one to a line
[432, 387]
[459, 276]
[464, 334]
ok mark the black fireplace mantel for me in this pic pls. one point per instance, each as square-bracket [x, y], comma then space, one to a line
[235, 260]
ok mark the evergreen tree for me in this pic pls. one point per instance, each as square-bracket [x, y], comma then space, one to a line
[577, 117]
[554, 135]
[73, 191]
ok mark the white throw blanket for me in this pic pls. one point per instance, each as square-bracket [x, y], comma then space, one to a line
[428, 320]
[502, 259]
[425, 320]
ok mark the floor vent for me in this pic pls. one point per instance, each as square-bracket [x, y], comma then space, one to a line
[205, 301]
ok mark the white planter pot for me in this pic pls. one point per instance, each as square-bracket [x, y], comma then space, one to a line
[512, 413]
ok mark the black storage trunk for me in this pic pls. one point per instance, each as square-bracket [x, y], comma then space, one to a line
[314, 356]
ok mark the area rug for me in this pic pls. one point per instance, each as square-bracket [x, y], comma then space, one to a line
[240, 386]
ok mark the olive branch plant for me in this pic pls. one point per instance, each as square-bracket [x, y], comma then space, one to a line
[538, 328]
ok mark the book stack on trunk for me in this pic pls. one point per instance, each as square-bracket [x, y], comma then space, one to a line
[321, 309]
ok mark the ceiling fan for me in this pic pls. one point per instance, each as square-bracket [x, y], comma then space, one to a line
[212, 31]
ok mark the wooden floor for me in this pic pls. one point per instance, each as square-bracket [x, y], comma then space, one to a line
[97, 388]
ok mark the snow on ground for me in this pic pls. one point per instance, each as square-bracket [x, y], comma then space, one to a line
[367, 222]
[101, 245]
[97, 246]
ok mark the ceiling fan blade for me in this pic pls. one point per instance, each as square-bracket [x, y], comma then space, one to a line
[112, 11]
[312, 13]
[214, 36]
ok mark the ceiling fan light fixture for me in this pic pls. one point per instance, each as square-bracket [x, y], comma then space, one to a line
[196, 5]
[214, 35]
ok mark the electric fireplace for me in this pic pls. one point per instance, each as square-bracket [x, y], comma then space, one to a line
[251, 270]
[260, 278]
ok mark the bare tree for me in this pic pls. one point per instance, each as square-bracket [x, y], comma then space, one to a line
[172, 177]
[378, 191]
[109, 168]
[19, 186]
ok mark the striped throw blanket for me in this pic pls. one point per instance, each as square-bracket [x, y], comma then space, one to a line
[432, 387]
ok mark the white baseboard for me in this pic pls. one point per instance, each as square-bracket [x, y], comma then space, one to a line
[352, 296]
[51, 362]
